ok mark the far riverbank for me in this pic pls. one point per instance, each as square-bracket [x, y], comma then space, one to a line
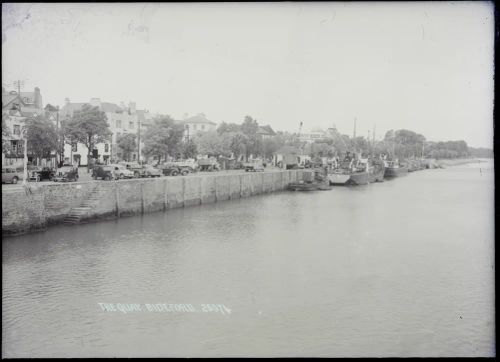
[457, 161]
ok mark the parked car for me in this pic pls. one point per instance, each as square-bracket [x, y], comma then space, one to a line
[66, 174]
[253, 166]
[169, 169]
[11, 175]
[136, 168]
[34, 173]
[120, 171]
[47, 173]
[103, 172]
[150, 171]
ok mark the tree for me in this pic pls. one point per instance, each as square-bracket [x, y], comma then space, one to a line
[5, 134]
[163, 138]
[42, 137]
[228, 127]
[127, 144]
[189, 149]
[270, 146]
[235, 142]
[211, 144]
[250, 127]
[88, 126]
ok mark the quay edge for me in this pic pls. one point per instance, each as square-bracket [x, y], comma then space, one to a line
[33, 209]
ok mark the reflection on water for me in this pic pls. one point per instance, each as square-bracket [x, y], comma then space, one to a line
[400, 268]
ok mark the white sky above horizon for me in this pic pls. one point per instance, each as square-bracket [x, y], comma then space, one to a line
[423, 66]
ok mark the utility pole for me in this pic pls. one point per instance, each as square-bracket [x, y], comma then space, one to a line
[18, 84]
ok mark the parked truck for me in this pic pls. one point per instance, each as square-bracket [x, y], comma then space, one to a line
[208, 164]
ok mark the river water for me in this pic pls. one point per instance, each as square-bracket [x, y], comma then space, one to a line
[400, 268]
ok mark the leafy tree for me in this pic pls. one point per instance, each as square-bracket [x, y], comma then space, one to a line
[127, 143]
[5, 134]
[235, 142]
[228, 127]
[250, 128]
[88, 126]
[270, 146]
[189, 149]
[42, 137]
[211, 144]
[163, 138]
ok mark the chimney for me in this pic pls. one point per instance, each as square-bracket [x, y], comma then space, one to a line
[95, 102]
[38, 98]
[131, 107]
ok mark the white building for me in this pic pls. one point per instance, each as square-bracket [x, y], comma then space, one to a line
[121, 120]
[197, 124]
[16, 108]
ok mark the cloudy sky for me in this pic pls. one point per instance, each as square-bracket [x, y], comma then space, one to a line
[422, 66]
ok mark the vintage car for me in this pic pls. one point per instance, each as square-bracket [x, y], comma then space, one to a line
[150, 171]
[105, 172]
[121, 172]
[11, 175]
[169, 169]
[66, 174]
[253, 166]
[34, 173]
[135, 167]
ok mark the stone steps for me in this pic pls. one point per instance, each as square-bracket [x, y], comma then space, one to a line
[76, 214]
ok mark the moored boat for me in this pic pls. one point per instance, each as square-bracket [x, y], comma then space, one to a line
[313, 180]
[349, 172]
[357, 172]
[394, 169]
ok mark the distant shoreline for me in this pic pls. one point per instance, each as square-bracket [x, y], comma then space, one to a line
[458, 161]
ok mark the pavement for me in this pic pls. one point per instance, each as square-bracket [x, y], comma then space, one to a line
[83, 176]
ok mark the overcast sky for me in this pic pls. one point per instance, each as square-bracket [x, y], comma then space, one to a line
[426, 67]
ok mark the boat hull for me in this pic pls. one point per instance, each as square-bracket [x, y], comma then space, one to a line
[296, 186]
[359, 178]
[338, 179]
[377, 176]
[395, 172]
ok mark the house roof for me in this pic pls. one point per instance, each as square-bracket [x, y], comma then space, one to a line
[49, 107]
[70, 108]
[30, 95]
[8, 98]
[199, 118]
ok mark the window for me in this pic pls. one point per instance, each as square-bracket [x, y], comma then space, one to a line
[131, 125]
[106, 147]
[14, 147]
[17, 129]
[74, 147]
[26, 100]
[203, 126]
[118, 123]
[194, 127]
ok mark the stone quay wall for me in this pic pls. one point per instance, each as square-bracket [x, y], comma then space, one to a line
[43, 204]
